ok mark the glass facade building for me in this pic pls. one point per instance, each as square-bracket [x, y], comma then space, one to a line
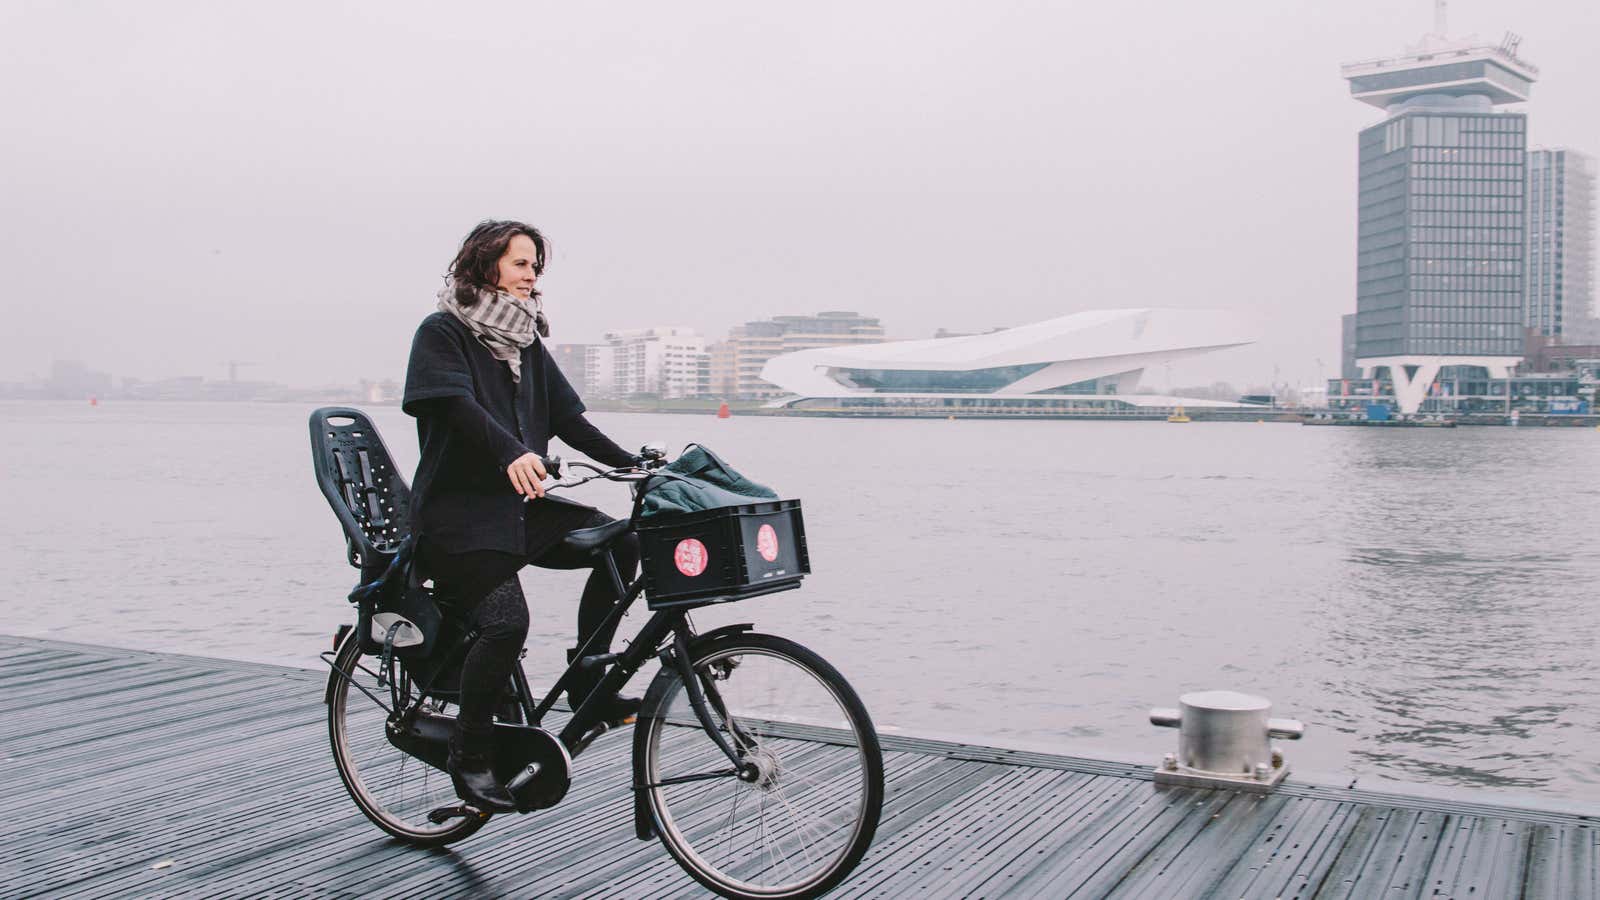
[1086, 360]
[1440, 240]
[964, 381]
[736, 363]
[1561, 234]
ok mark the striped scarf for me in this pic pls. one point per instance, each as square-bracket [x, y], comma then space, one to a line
[502, 322]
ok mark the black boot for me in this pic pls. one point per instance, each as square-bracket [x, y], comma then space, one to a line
[469, 768]
[612, 709]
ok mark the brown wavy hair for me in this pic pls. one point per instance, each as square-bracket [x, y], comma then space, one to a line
[477, 264]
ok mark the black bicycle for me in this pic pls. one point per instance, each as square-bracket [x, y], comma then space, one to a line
[754, 762]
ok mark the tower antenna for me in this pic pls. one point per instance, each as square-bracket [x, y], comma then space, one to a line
[1440, 10]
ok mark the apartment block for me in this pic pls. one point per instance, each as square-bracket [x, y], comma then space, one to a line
[735, 364]
[667, 362]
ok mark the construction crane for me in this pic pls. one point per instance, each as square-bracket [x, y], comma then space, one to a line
[233, 368]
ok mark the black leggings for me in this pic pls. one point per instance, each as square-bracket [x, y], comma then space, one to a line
[485, 582]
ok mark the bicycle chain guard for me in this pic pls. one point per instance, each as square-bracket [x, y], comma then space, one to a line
[519, 746]
[426, 736]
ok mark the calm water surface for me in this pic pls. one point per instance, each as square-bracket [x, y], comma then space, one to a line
[1424, 600]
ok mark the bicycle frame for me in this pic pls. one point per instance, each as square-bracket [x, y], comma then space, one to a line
[662, 626]
[647, 643]
[666, 635]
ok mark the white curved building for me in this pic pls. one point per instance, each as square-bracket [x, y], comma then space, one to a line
[1085, 361]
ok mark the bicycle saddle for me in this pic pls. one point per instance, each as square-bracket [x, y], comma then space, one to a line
[589, 539]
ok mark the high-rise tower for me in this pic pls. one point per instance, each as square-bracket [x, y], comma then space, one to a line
[1440, 244]
[1561, 233]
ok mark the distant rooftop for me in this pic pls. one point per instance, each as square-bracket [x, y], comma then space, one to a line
[1441, 66]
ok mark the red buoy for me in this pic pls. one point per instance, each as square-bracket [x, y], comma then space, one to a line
[723, 412]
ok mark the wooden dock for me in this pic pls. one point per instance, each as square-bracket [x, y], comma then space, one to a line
[151, 775]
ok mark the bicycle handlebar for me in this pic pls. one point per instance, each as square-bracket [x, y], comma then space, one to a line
[652, 457]
[556, 467]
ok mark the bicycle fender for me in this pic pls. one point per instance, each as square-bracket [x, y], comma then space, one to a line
[650, 708]
[333, 675]
[724, 631]
[644, 826]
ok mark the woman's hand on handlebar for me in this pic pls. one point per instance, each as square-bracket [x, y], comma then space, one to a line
[526, 473]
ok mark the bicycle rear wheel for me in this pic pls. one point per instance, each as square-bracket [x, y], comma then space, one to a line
[392, 788]
[802, 821]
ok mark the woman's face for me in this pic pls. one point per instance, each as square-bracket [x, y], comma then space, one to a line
[516, 267]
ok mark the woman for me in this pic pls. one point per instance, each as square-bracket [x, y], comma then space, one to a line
[488, 398]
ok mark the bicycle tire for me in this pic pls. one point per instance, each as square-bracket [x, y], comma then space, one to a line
[363, 755]
[820, 793]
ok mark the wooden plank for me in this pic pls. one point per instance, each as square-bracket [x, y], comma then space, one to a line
[1023, 837]
[1368, 852]
[94, 754]
[1478, 857]
[921, 852]
[1399, 867]
[1158, 855]
[133, 691]
[113, 717]
[1465, 803]
[14, 659]
[31, 685]
[1294, 853]
[1219, 847]
[1562, 862]
[1115, 839]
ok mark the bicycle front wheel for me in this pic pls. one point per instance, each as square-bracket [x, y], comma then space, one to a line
[805, 812]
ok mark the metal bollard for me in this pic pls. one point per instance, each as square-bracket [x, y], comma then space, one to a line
[1224, 740]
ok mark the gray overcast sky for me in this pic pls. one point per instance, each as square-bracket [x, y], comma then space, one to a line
[187, 183]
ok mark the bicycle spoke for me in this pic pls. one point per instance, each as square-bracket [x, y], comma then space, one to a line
[732, 813]
[393, 788]
[800, 827]
[815, 801]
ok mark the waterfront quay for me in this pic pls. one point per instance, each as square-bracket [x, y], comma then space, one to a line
[141, 774]
[1106, 410]
[1194, 414]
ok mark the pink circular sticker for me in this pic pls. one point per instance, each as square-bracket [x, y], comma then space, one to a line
[690, 557]
[767, 543]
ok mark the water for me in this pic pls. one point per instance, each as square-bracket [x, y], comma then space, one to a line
[1424, 600]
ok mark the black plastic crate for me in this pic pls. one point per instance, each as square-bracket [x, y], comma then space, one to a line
[717, 555]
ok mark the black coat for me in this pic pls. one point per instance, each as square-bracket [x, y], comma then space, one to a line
[462, 499]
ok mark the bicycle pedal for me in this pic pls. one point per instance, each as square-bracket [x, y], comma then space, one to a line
[445, 813]
[609, 724]
[600, 728]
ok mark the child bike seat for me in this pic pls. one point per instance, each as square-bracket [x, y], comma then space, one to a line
[357, 475]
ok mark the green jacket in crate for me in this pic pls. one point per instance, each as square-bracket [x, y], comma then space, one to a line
[704, 482]
[711, 535]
